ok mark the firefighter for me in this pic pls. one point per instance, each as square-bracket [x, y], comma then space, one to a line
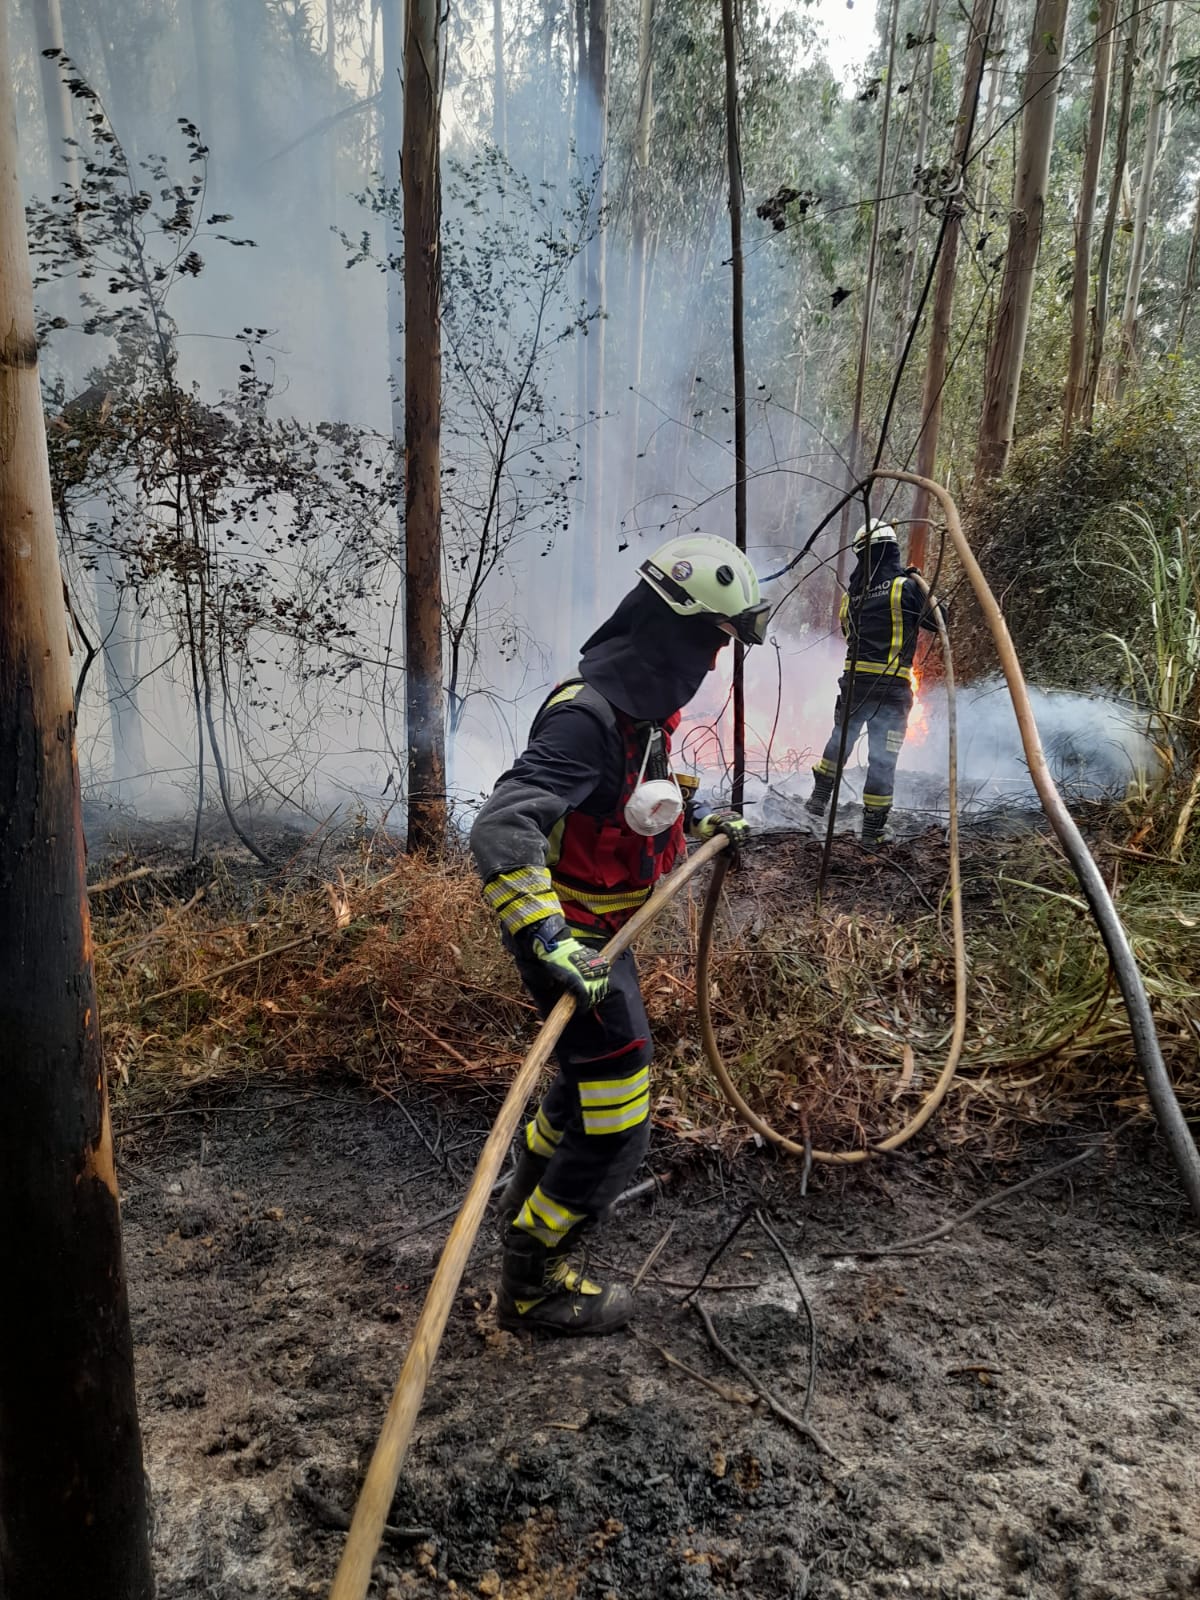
[885, 607]
[571, 842]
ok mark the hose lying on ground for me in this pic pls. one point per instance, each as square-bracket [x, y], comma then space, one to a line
[938, 1092]
[1171, 1120]
[370, 1515]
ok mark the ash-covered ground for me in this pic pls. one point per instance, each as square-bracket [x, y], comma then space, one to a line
[1013, 1410]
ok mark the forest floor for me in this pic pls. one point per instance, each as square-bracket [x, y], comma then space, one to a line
[1011, 1411]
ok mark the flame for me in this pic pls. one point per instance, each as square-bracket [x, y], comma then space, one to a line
[918, 717]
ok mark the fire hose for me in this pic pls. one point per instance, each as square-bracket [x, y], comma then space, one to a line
[370, 1515]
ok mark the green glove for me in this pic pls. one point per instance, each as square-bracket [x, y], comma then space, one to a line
[580, 970]
[736, 829]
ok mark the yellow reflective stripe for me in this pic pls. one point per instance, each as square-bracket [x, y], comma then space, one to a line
[877, 801]
[561, 696]
[536, 1141]
[522, 914]
[545, 1219]
[554, 842]
[897, 603]
[825, 768]
[609, 1121]
[541, 1136]
[613, 1091]
[600, 902]
[521, 881]
[863, 668]
[844, 613]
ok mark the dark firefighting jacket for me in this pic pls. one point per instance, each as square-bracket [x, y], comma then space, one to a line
[553, 839]
[886, 608]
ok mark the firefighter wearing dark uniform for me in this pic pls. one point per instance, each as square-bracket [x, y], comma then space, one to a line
[571, 842]
[886, 608]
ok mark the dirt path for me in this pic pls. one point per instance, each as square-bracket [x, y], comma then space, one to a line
[1015, 1410]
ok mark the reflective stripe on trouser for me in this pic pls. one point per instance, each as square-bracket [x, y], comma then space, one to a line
[594, 1120]
[885, 721]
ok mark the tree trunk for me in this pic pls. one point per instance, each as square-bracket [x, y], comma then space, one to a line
[734, 158]
[1189, 276]
[499, 84]
[1141, 218]
[978, 44]
[204, 114]
[641, 201]
[1093, 149]
[594, 104]
[72, 1489]
[917, 205]
[1112, 211]
[421, 177]
[996, 53]
[1006, 352]
[392, 19]
[864, 347]
[56, 97]
[129, 766]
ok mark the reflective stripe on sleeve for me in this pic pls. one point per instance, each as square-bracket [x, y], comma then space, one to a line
[521, 898]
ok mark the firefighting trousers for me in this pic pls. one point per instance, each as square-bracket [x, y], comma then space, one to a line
[593, 1125]
[886, 721]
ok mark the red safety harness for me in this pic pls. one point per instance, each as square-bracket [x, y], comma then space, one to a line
[600, 868]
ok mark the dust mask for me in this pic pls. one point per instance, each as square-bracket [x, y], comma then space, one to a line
[656, 804]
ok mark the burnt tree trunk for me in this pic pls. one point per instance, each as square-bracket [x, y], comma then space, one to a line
[1006, 351]
[72, 1490]
[421, 178]
[1093, 149]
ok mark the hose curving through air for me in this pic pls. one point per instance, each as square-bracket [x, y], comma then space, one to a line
[944, 1079]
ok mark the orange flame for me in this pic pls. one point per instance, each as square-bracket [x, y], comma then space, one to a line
[918, 717]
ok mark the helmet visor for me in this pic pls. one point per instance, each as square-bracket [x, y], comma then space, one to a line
[749, 626]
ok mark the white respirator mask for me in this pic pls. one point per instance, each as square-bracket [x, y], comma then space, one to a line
[656, 804]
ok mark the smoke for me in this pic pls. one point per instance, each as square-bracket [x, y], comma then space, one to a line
[657, 459]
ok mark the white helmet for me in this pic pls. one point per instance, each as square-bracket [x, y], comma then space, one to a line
[877, 533]
[701, 574]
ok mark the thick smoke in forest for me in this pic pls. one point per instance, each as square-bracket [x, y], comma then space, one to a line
[223, 439]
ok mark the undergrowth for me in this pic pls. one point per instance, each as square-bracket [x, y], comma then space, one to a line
[834, 1022]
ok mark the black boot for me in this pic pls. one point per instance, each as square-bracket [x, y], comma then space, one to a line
[875, 829]
[529, 1173]
[539, 1289]
[819, 798]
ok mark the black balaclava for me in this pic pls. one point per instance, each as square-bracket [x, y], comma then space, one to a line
[648, 661]
[885, 563]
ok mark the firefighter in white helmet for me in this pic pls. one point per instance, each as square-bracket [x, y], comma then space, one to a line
[571, 842]
[884, 609]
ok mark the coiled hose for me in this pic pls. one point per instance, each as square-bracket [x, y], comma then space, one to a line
[1167, 1111]
[937, 1093]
